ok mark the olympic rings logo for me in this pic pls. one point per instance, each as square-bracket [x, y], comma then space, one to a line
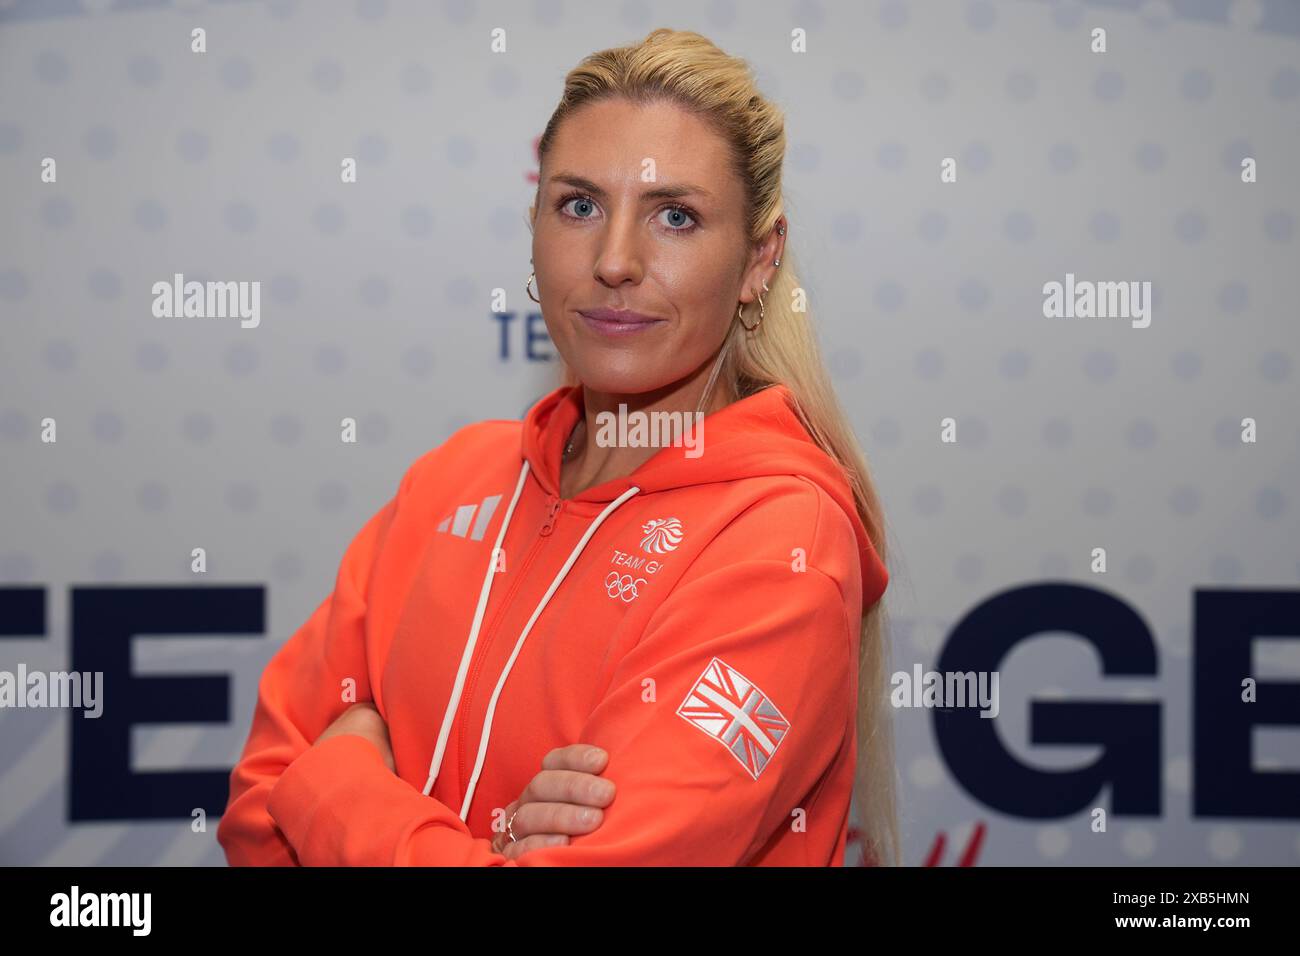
[616, 586]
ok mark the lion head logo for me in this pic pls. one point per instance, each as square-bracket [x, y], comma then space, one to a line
[661, 535]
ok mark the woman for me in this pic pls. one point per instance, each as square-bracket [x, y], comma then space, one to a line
[705, 615]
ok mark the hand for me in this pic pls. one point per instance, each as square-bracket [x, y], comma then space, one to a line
[550, 808]
[364, 720]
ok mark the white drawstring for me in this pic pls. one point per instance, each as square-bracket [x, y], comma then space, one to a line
[436, 764]
[501, 682]
[448, 716]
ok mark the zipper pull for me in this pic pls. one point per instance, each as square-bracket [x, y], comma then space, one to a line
[555, 504]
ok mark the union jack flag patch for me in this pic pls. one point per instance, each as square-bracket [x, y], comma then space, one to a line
[733, 711]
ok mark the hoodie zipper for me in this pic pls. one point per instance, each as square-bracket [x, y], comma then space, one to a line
[555, 505]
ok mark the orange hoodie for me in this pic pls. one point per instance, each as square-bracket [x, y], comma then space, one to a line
[697, 619]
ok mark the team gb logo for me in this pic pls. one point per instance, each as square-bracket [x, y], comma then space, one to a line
[661, 535]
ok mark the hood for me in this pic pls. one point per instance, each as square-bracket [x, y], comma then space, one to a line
[758, 435]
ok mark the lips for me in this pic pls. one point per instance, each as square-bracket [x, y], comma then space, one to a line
[621, 316]
[619, 323]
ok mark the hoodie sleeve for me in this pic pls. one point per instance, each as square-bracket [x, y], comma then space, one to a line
[720, 723]
[300, 694]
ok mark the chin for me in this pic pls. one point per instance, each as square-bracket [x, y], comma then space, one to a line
[623, 378]
[614, 383]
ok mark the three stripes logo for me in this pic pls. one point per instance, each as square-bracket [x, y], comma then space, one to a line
[470, 521]
[733, 711]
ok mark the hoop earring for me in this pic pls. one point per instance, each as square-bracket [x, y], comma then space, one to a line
[762, 312]
[528, 287]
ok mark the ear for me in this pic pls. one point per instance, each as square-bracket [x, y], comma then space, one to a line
[759, 269]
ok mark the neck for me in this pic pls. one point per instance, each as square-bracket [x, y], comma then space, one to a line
[591, 464]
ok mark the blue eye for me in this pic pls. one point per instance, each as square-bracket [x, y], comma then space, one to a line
[680, 211]
[578, 199]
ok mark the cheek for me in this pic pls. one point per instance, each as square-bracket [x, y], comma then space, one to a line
[702, 291]
[557, 278]
[567, 277]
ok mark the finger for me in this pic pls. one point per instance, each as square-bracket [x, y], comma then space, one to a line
[584, 757]
[550, 818]
[514, 851]
[569, 786]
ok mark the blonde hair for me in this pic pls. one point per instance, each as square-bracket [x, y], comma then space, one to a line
[687, 69]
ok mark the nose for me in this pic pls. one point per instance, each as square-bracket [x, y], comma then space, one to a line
[619, 254]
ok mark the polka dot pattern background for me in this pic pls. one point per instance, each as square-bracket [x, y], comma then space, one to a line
[1073, 433]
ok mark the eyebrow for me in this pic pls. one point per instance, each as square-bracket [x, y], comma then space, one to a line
[660, 192]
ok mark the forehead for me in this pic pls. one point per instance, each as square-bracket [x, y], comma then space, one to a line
[609, 141]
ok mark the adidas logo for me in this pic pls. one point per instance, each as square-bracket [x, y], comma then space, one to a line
[458, 522]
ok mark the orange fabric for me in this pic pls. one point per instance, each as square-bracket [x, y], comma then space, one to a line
[767, 574]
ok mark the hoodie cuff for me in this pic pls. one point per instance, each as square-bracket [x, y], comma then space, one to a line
[338, 804]
[324, 789]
